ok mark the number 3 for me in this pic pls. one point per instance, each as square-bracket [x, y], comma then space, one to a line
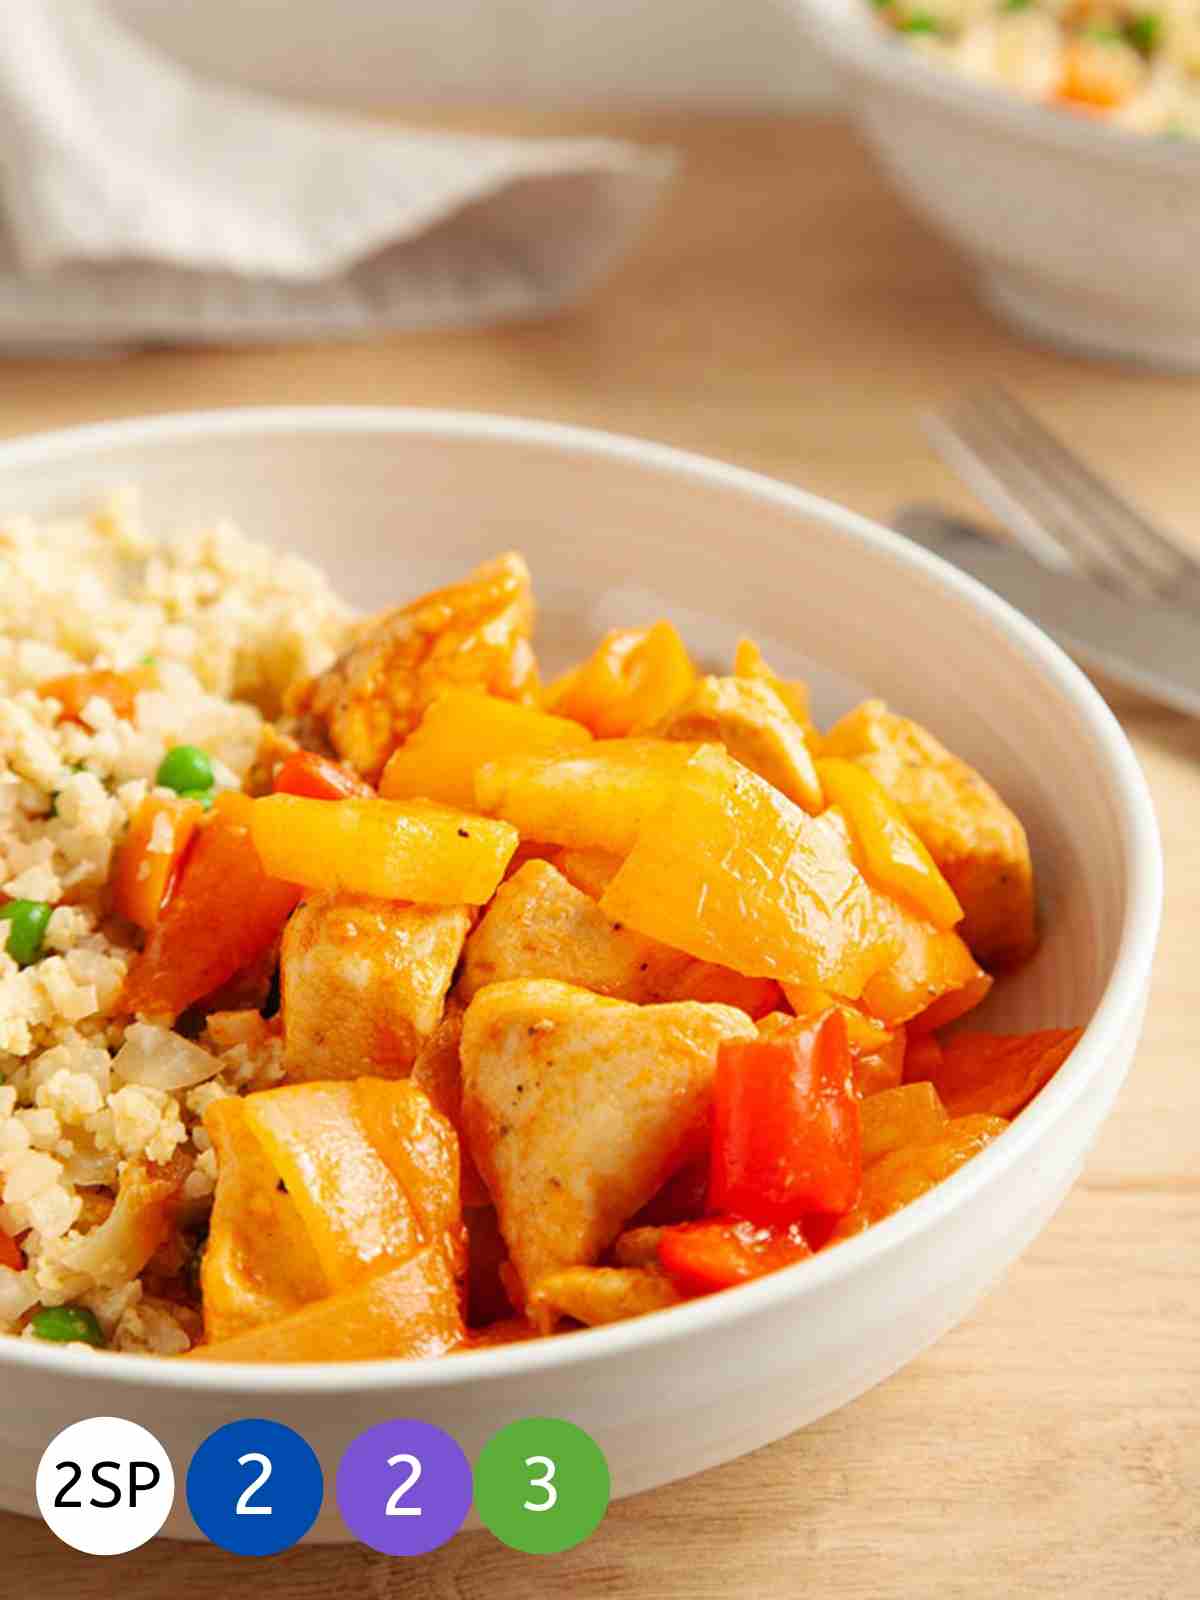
[546, 1481]
[244, 1508]
[394, 1509]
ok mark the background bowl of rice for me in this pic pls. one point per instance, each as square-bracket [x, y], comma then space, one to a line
[1084, 234]
[391, 502]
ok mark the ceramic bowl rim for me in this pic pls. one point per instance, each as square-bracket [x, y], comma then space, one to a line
[1117, 1012]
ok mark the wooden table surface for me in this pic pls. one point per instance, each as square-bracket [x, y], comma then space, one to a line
[786, 313]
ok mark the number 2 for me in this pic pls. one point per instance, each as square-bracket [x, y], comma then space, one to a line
[546, 1481]
[244, 1508]
[394, 1508]
[60, 1499]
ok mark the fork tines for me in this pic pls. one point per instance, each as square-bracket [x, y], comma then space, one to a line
[1051, 500]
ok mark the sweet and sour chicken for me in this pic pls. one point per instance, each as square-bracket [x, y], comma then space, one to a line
[589, 1000]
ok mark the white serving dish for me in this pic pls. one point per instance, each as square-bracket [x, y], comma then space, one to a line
[1084, 234]
[391, 501]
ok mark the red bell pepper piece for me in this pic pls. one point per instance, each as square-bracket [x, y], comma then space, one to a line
[225, 913]
[11, 1254]
[700, 1257]
[317, 778]
[786, 1142]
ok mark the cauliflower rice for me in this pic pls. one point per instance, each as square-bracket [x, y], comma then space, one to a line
[229, 624]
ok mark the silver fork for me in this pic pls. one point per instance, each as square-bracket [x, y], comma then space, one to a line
[1053, 503]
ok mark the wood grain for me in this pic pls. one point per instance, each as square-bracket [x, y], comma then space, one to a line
[786, 313]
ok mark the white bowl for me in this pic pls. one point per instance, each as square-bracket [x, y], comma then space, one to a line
[1085, 234]
[391, 501]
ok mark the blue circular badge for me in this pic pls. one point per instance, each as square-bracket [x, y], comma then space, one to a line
[255, 1487]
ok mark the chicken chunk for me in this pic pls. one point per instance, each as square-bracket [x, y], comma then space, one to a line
[749, 717]
[474, 634]
[748, 662]
[577, 1108]
[363, 983]
[598, 1295]
[540, 926]
[975, 839]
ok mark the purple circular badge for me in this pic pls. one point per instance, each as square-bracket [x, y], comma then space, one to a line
[404, 1487]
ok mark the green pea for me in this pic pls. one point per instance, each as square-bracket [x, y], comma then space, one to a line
[1016, 5]
[1145, 32]
[27, 920]
[67, 1325]
[920, 22]
[205, 796]
[185, 767]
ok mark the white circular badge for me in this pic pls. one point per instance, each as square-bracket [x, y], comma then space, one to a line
[105, 1485]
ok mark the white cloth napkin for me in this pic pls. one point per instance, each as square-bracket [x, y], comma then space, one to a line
[140, 203]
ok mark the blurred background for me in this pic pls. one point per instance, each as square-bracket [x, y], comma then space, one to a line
[734, 53]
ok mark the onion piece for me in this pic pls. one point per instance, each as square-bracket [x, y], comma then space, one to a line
[156, 1058]
[90, 1168]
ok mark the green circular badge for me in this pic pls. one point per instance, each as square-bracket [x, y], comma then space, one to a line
[541, 1485]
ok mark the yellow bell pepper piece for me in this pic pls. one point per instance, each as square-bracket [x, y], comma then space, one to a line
[977, 842]
[933, 969]
[320, 1187]
[420, 1149]
[596, 800]
[954, 1003]
[354, 1208]
[410, 1311]
[997, 1074]
[904, 1175]
[259, 1263]
[731, 871]
[913, 1113]
[589, 870]
[888, 850]
[633, 679]
[461, 731]
[411, 850]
